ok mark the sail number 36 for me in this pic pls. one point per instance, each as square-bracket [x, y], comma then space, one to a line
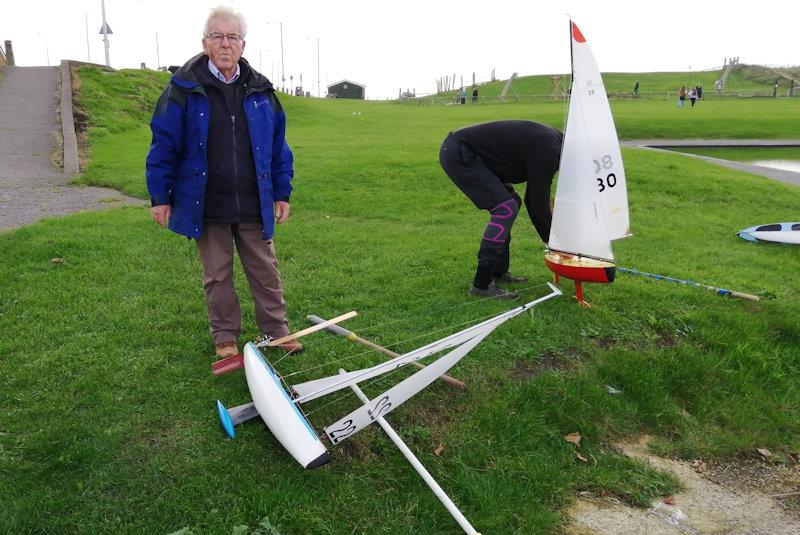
[611, 179]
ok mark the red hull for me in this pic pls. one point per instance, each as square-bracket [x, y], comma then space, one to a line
[580, 270]
[582, 273]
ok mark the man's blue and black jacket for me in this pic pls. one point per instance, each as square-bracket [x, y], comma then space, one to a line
[177, 164]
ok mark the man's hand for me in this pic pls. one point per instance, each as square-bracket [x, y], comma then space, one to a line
[161, 213]
[281, 211]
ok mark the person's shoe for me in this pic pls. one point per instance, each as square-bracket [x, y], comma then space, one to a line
[292, 347]
[493, 291]
[227, 349]
[510, 279]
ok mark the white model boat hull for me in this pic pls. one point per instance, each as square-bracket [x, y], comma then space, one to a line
[775, 233]
[279, 412]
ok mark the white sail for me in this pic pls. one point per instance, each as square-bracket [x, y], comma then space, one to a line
[587, 86]
[579, 225]
[325, 385]
[384, 403]
[320, 387]
[591, 206]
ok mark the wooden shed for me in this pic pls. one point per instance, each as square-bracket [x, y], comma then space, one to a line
[346, 89]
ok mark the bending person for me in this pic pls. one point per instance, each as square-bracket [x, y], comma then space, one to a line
[484, 161]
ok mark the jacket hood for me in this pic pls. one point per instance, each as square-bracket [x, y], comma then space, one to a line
[186, 77]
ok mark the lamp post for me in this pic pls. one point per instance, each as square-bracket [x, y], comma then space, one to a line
[105, 30]
[158, 54]
[318, 90]
[283, 68]
[86, 20]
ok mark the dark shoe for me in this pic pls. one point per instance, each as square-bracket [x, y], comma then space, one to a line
[493, 291]
[227, 349]
[510, 279]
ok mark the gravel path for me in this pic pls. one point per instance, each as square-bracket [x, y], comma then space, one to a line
[31, 187]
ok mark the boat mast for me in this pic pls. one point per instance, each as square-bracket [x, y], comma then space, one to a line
[571, 59]
[571, 80]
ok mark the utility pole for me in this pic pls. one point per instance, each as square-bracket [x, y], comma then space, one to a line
[46, 48]
[318, 90]
[105, 30]
[283, 68]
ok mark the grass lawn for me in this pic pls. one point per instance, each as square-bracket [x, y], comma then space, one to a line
[108, 422]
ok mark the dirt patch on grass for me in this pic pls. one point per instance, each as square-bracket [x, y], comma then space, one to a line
[742, 497]
[524, 370]
[605, 342]
[357, 448]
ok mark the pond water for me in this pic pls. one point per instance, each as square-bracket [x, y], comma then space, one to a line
[786, 165]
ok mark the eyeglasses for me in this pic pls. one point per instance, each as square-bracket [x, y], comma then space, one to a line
[216, 37]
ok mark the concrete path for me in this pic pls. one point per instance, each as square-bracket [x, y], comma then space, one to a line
[31, 187]
[790, 177]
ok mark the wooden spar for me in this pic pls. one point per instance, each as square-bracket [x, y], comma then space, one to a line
[421, 470]
[350, 335]
[312, 329]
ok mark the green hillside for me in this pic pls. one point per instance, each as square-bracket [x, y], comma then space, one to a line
[745, 80]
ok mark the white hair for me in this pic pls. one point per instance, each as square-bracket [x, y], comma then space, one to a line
[227, 13]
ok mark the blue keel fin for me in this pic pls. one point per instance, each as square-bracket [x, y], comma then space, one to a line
[225, 420]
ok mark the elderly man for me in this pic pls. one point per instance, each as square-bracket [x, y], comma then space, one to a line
[484, 161]
[219, 171]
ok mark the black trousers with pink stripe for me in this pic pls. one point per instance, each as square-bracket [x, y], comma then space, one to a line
[487, 192]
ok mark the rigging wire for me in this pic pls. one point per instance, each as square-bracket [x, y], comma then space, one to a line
[395, 344]
[425, 314]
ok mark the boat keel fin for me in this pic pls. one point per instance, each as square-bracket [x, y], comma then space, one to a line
[229, 418]
[579, 295]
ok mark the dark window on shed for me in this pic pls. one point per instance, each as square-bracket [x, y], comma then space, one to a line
[767, 228]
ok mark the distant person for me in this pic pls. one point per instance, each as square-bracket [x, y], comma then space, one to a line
[682, 96]
[699, 89]
[475, 95]
[636, 88]
[462, 96]
[219, 171]
[693, 96]
[483, 161]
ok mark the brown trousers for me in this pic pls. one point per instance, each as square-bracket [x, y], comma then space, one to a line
[215, 247]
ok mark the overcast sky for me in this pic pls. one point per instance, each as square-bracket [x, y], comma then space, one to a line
[404, 44]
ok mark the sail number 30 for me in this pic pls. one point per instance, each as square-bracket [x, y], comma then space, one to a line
[611, 179]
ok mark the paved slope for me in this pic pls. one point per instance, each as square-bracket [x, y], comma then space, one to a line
[31, 188]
